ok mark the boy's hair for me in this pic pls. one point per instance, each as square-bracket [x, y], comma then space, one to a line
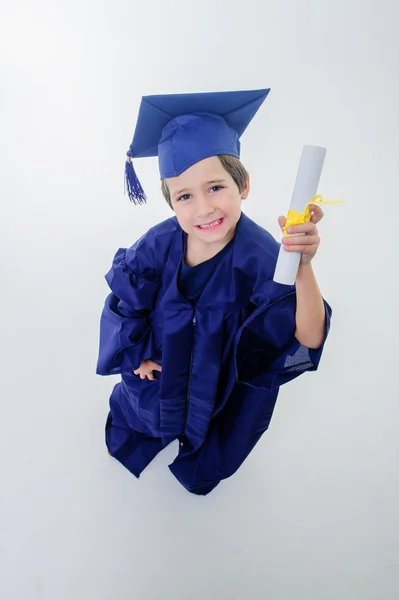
[231, 164]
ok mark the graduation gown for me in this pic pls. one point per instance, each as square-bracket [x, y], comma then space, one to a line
[223, 358]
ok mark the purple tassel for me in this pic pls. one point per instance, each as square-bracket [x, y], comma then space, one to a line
[132, 184]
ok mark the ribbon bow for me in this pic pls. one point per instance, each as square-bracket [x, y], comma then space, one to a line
[296, 218]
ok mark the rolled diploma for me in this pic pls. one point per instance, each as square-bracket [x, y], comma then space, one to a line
[305, 189]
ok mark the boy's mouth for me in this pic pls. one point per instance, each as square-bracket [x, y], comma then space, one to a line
[211, 226]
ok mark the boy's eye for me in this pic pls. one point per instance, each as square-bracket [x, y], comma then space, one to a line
[215, 187]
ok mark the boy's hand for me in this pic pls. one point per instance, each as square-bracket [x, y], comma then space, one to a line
[306, 244]
[146, 369]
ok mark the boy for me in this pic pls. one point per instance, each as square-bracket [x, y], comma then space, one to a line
[201, 335]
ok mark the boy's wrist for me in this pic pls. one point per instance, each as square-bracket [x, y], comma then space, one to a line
[305, 271]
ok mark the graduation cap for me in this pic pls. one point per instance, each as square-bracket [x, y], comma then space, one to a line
[182, 129]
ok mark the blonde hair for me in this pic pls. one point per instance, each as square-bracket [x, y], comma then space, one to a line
[231, 164]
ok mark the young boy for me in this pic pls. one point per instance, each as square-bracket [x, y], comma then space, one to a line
[200, 334]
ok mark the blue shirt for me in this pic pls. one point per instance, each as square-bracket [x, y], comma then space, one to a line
[192, 280]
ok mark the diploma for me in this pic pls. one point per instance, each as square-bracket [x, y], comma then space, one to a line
[305, 190]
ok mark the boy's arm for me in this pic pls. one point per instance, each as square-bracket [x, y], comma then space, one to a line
[310, 318]
[126, 338]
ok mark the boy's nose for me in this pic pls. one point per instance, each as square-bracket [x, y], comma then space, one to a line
[204, 206]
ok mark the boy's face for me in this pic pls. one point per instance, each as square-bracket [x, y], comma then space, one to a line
[205, 194]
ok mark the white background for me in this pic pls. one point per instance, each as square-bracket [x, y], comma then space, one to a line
[313, 512]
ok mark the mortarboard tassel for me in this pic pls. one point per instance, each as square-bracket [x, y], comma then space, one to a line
[132, 184]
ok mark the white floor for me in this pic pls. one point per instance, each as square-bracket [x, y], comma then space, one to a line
[310, 515]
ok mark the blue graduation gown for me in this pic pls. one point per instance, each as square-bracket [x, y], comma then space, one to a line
[223, 357]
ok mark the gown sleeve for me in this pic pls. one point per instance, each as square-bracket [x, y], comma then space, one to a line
[267, 353]
[125, 333]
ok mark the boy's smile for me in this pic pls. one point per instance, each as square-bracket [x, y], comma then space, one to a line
[211, 225]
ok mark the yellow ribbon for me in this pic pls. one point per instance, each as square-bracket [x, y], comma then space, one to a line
[296, 218]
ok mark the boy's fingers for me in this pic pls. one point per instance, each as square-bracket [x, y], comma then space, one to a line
[281, 221]
[308, 228]
[306, 240]
[317, 213]
[147, 371]
[301, 249]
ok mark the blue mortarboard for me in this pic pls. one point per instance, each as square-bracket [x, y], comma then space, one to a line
[182, 129]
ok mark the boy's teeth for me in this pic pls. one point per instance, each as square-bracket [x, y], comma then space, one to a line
[210, 224]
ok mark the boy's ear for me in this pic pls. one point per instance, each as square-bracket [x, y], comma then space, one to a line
[246, 188]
